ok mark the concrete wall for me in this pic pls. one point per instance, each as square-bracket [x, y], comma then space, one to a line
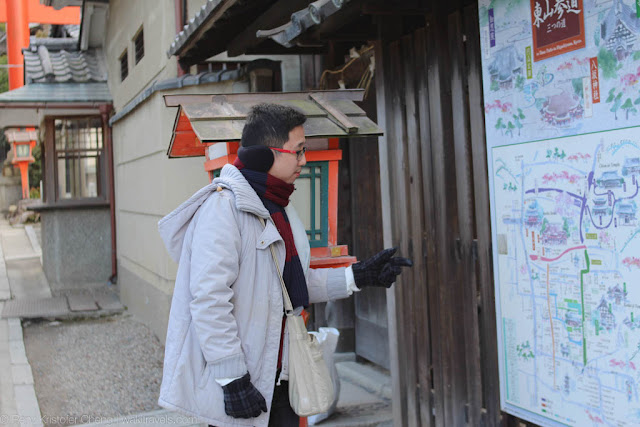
[10, 191]
[289, 67]
[149, 185]
[76, 247]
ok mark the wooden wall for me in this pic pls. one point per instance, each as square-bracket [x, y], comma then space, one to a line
[435, 202]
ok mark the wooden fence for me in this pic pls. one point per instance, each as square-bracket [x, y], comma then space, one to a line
[435, 200]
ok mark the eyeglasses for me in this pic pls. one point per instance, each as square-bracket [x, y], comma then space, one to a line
[299, 154]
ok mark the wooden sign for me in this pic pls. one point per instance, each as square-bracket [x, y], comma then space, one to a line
[558, 27]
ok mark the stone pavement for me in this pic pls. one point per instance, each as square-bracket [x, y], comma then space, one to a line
[26, 290]
[365, 395]
[18, 402]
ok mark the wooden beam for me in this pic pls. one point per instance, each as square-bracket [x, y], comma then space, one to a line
[323, 155]
[209, 22]
[278, 14]
[363, 35]
[177, 100]
[336, 115]
[269, 47]
[49, 176]
[393, 9]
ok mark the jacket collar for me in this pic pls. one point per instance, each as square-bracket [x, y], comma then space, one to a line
[246, 198]
[173, 227]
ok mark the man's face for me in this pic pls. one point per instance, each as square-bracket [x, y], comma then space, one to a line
[286, 166]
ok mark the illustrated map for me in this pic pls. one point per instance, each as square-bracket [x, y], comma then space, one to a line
[561, 87]
[568, 250]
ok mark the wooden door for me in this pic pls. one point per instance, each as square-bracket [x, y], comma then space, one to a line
[435, 206]
[371, 331]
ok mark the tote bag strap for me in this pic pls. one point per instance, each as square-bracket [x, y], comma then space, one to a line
[287, 301]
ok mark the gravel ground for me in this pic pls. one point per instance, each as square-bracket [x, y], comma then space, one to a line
[106, 367]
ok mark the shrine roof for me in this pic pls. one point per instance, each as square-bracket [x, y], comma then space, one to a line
[203, 119]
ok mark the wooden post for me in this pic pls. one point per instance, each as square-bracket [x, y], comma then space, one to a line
[17, 39]
[487, 316]
[384, 146]
[464, 184]
[430, 378]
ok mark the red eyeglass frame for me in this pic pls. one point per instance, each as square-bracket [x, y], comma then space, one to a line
[299, 156]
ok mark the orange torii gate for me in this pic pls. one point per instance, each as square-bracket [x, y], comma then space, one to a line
[18, 14]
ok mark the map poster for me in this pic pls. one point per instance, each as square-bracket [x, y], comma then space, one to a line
[557, 26]
[569, 264]
[563, 153]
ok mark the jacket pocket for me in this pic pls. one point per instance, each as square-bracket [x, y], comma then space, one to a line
[268, 236]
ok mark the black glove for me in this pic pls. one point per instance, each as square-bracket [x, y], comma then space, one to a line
[242, 399]
[379, 270]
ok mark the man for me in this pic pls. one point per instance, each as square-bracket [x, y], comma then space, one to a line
[225, 357]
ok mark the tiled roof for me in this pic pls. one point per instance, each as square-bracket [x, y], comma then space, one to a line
[192, 26]
[58, 60]
[301, 21]
[58, 93]
[619, 12]
[219, 24]
[214, 26]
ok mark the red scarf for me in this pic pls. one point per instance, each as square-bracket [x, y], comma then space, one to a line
[275, 194]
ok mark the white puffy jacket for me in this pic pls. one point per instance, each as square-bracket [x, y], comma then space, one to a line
[226, 312]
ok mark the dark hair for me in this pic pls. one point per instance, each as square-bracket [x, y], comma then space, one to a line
[270, 124]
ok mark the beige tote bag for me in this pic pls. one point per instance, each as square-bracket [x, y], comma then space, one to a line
[310, 385]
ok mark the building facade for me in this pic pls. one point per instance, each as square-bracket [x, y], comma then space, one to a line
[147, 184]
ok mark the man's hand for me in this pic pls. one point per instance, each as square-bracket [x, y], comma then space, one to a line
[242, 399]
[379, 270]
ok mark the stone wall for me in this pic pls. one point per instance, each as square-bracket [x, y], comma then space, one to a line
[10, 191]
[76, 247]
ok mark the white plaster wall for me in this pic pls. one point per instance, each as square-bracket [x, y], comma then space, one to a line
[149, 185]
[157, 17]
[289, 66]
[193, 6]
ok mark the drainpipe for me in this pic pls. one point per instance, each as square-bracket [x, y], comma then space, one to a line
[179, 6]
[104, 112]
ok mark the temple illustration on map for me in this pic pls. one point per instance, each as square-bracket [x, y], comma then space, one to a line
[569, 274]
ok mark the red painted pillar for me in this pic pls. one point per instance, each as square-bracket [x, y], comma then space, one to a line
[24, 174]
[18, 38]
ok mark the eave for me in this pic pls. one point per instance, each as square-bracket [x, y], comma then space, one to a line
[206, 119]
